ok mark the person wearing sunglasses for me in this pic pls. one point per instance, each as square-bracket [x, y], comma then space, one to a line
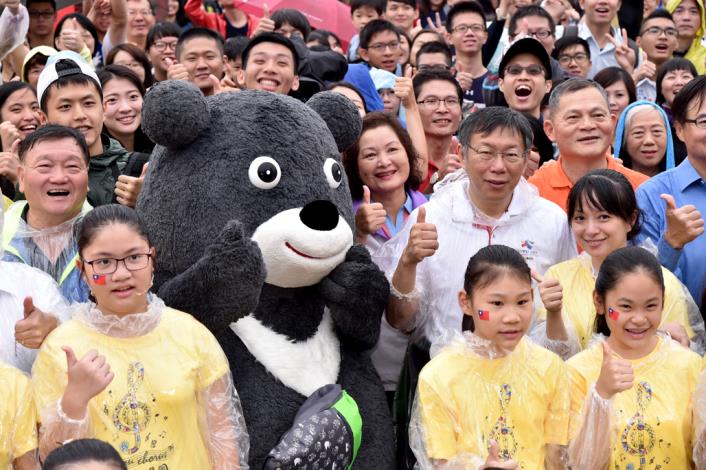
[525, 76]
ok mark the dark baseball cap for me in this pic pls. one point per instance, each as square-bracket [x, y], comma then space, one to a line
[526, 45]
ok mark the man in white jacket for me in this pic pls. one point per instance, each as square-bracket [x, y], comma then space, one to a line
[487, 202]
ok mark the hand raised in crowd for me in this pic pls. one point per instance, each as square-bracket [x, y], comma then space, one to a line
[616, 374]
[13, 5]
[435, 24]
[684, 223]
[493, 461]
[646, 69]
[369, 218]
[35, 326]
[404, 89]
[533, 159]
[175, 70]
[8, 135]
[551, 293]
[266, 24]
[677, 332]
[128, 188]
[423, 240]
[624, 55]
[71, 36]
[464, 79]
[10, 162]
[453, 161]
[87, 378]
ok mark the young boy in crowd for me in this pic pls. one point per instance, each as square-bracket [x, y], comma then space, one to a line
[161, 47]
[403, 14]
[465, 30]
[233, 50]
[380, 45]
[658, 40]
[200, 59]
[362, 13]
[70, 94]
[574, 56]
[525, 76]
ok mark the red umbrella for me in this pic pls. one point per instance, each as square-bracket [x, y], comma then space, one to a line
[331, 15]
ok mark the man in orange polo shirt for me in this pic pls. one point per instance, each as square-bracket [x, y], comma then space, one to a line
[581, 125]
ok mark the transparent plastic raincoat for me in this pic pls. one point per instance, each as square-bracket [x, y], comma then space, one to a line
[52, 250]
[471, 393]
[18, 429]
[172, 401]
[647, 426]
[579, 313]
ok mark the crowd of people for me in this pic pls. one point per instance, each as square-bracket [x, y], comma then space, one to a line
[529, 176]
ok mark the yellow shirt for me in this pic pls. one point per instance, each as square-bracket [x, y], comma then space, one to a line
[18, 419]
[149, 412]
[578, 284]
[520, 400]
[656, 411]
[6, 203]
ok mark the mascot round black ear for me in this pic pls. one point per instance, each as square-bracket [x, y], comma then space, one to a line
[174, 113]
[341, 117]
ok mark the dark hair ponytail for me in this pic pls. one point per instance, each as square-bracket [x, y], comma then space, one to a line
[487, 265]
[624, 261]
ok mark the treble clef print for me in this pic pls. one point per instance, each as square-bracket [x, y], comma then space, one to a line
[638, 438]
[502, 431]
[131, 415]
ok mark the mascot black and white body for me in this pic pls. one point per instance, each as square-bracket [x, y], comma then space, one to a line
[248, 205]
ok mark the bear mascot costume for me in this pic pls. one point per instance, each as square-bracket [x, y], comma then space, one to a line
[248, 205]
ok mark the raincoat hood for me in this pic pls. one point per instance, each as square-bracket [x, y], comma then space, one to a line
[620, 131]
[697, 52]
[39, 50]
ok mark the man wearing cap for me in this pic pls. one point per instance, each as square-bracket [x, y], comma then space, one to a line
[579, 122]
[270, 63]
[70, 94]
[525, 76]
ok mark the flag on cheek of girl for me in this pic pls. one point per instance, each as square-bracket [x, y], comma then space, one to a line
[99, 279]
[612, 313]
[483, 315]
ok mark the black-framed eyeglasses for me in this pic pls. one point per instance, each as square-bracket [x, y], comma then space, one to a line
[435, 101]
[381, 46]
[45, 15]
[541, 34]
[699, 122]
[463, 28]
[579, 58]
[425, 67]
[533, 70]
[656, 31]
[487, 154]
[162, 46]
[134, 262]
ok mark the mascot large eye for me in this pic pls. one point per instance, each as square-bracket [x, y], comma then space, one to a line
[264, 172]
[333, 172]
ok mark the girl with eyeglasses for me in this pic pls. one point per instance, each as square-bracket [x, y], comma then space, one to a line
[148, 379]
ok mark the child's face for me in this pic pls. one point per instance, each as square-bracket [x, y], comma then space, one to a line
[501, 311]
[633, 310]
[401, 14]
[362, 16]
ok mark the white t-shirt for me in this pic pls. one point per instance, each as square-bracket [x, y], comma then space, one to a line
[534, 226]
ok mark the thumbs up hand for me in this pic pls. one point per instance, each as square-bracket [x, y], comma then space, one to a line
[551, 292]
[404, 89]
[423, 240]
[684, 223]
[369, 218]
[646, 69]
[463, 78]
[266, 23]
[616, 374]
[34, 326]
[493, 461]
[176, 70]
[87, 377]
[71, 37]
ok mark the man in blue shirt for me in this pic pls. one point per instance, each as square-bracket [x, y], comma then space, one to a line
[673, 201]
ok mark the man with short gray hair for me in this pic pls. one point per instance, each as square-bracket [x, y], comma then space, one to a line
[581, 125]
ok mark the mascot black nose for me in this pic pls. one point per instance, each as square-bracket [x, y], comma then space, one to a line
[320, 215]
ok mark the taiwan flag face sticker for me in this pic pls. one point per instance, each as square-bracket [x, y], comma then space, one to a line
[99, 279]
[612, 313]
[483, 315]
